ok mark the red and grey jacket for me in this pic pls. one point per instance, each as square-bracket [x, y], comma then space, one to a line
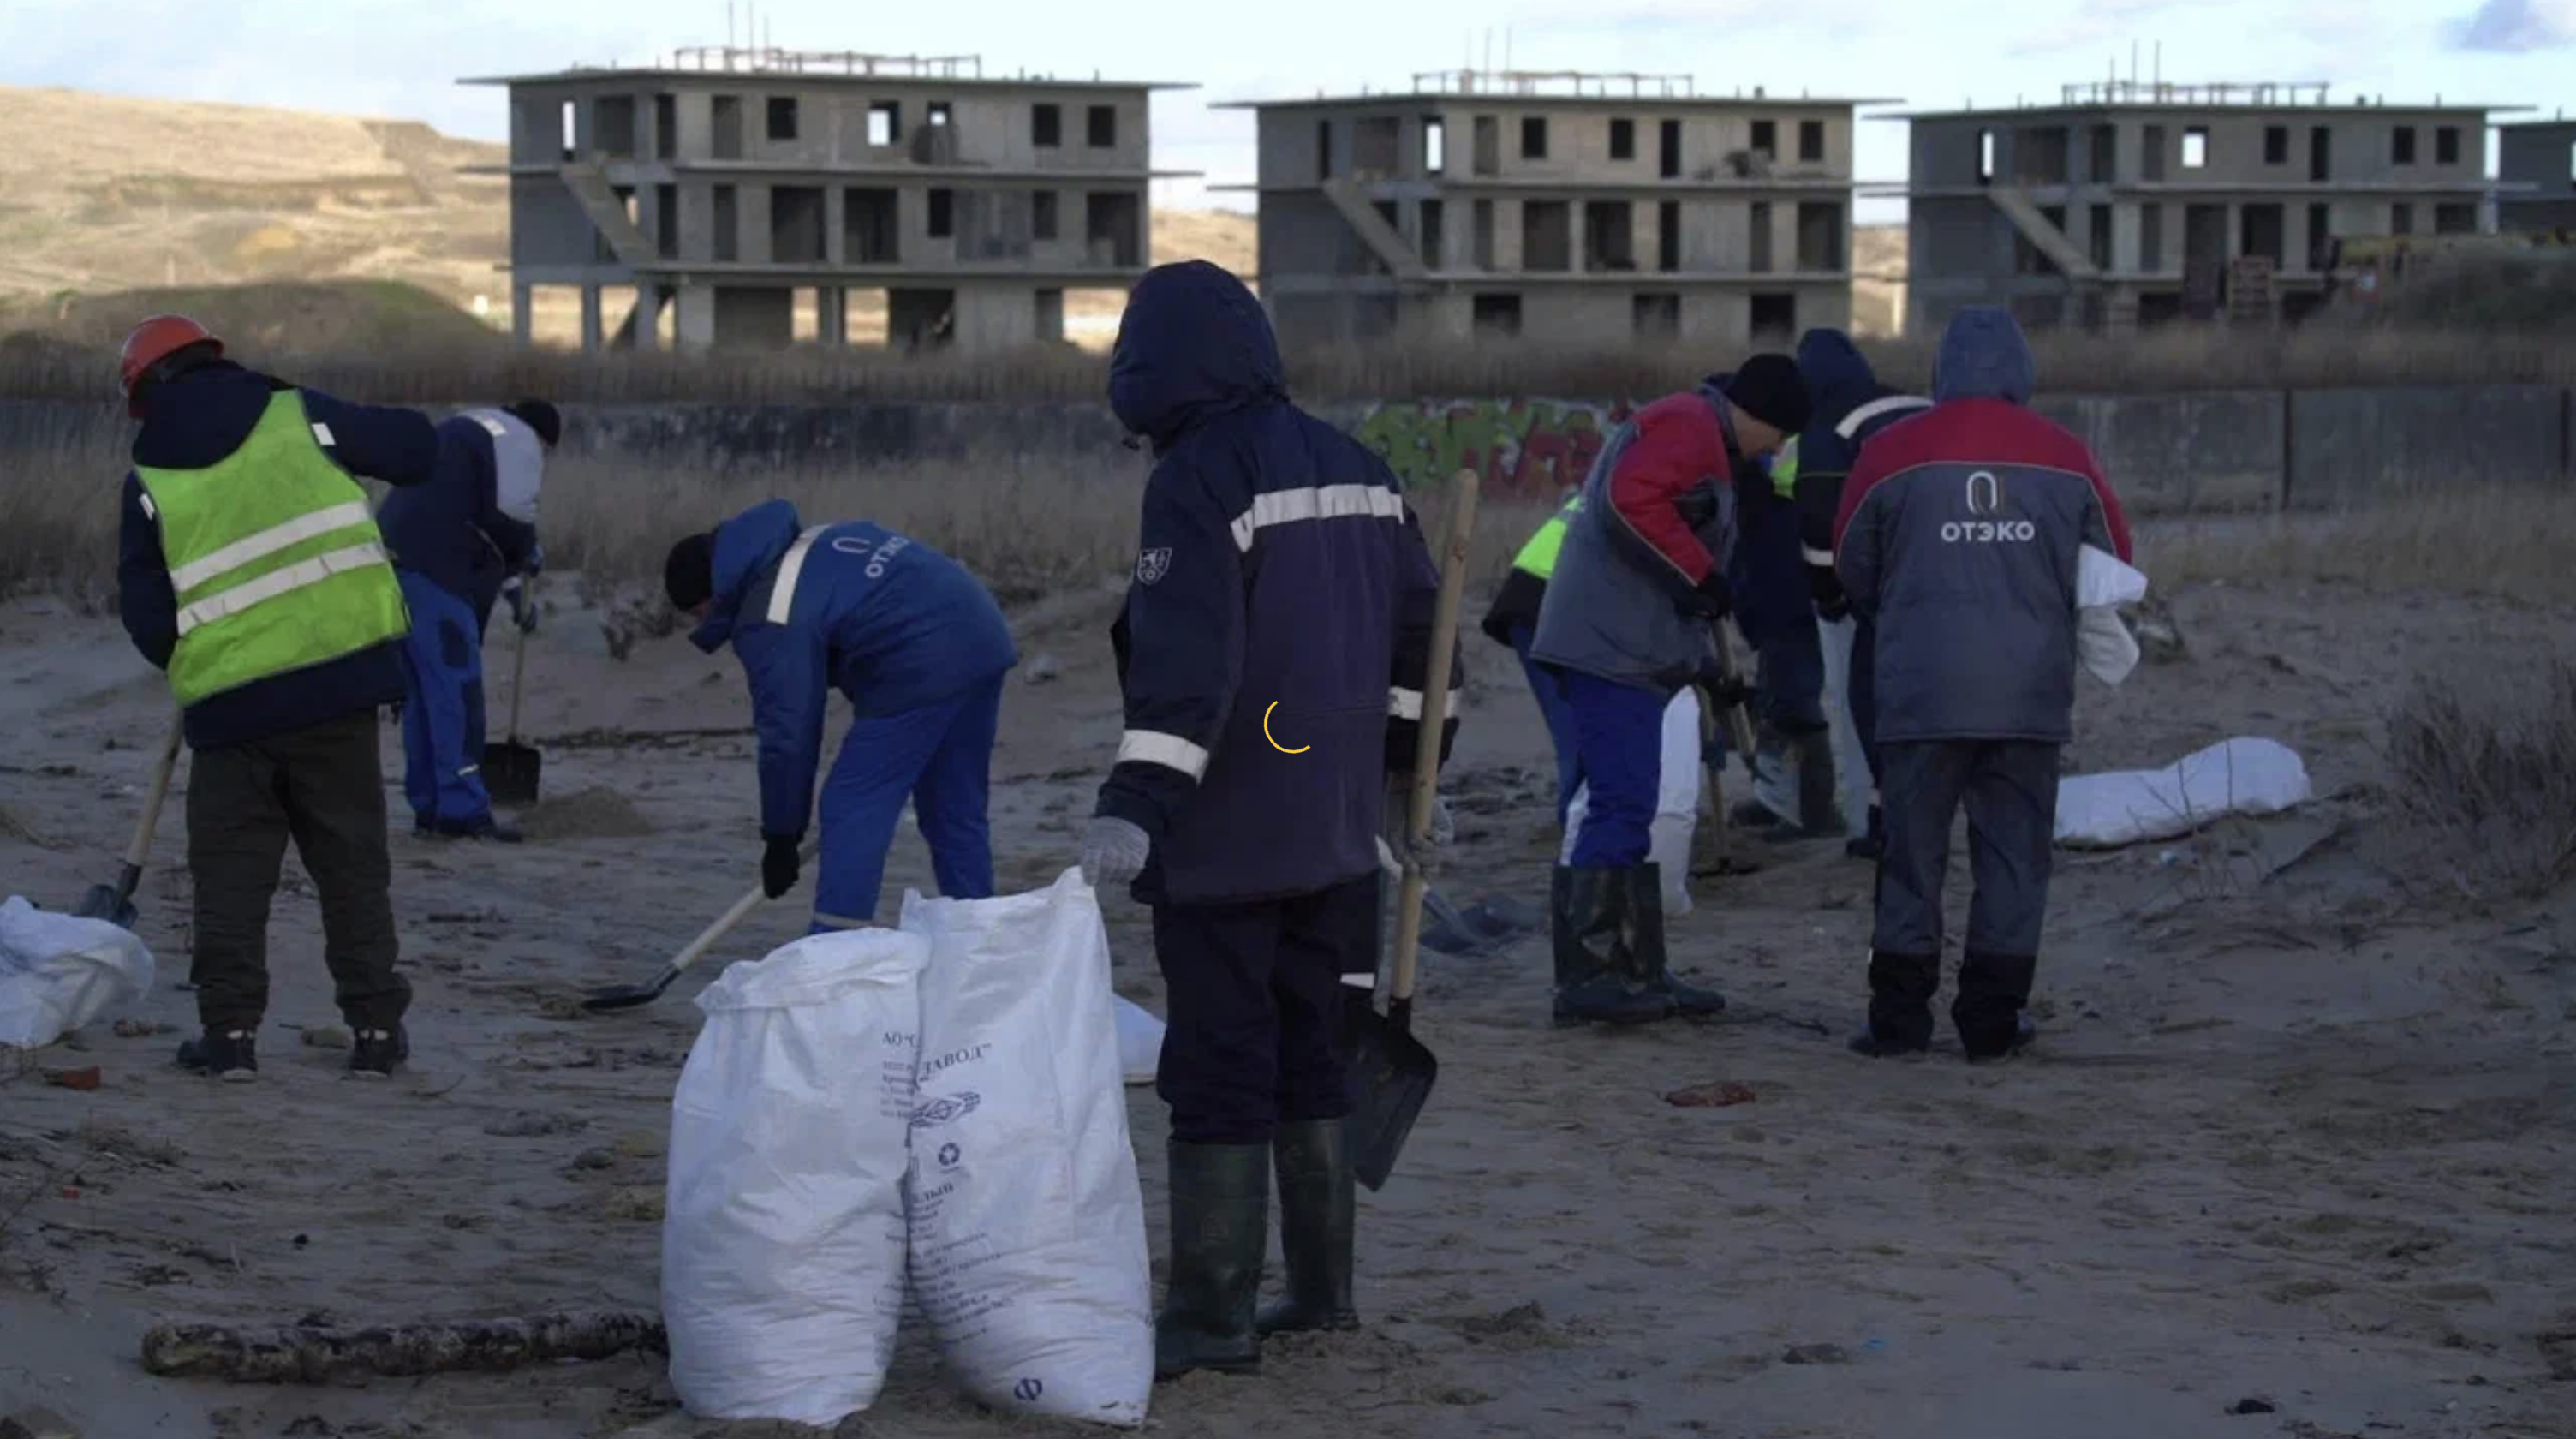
[1959, 537]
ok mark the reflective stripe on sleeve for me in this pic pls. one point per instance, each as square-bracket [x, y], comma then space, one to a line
[1144, 746]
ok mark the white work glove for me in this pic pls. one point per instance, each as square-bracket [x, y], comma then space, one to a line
[1113, 851]
[1426, 851]
[523, 606]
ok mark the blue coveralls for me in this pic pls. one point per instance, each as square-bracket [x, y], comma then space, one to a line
[919, 648]
[444, 536]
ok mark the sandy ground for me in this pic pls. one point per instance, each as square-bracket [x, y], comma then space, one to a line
[2290, 1136]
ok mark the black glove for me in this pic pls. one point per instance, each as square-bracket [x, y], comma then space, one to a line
[778, 865]
[1714, 601]
[1827, 588]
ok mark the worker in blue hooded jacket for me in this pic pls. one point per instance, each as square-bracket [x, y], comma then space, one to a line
[458, 543]
[917, 645]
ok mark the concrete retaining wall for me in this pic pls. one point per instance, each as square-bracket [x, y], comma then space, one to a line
[2211, 451]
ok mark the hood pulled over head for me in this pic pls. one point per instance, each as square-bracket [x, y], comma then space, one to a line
[1194, 344]
[1984, 356]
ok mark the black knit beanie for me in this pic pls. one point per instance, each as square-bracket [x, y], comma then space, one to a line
[689, 575]
[540, 417]
[1769, 388]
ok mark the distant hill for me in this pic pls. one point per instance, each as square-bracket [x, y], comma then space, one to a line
[102, 194]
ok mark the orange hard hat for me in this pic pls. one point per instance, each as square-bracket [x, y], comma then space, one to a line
[155, 340]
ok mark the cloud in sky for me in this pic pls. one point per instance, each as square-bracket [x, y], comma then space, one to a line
[2516, 27]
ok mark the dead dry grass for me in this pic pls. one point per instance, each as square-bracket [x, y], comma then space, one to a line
[2485, 763]
[2510, 542]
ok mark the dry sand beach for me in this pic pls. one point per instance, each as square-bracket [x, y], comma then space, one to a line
[2300, 1131]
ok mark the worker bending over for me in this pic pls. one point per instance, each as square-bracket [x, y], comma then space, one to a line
[919, 648]
[1627, 622]
[1272, 655]
[1959, 539]
[462, 539]
[250, 569]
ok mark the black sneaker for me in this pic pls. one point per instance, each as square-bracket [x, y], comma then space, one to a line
[230, 1055]
[378, 1051]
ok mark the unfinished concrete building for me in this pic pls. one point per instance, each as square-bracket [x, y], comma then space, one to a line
[1561, 206]
[2136, 202]
[728, 182]
[2536, 176]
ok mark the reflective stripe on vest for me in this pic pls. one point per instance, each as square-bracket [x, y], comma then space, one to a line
[1538, 556]
[274, 559]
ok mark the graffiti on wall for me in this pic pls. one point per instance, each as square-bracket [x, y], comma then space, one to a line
[1519, 448]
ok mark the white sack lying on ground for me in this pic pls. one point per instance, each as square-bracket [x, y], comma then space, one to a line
[1140, 1042]
[1676, 806]
[59, 972]
[1028, 1225]
[2103, 584]
[2237, 776]
[783, 1227]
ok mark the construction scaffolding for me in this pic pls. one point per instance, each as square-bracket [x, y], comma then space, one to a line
[2132, 91]
[773, 59]
[1570, 84]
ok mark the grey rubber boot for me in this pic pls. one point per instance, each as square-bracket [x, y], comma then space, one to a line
[1646, 941]
[1318, 1218]
[1220, 1208]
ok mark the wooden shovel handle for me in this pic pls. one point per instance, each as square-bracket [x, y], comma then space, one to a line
[519, 659]
[752, 899]
[141, 845]
[1460, 532]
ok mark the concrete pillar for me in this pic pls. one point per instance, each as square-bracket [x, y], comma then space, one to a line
[648, 317]
[695, 323]
[590, 326]
[523, 319]
[832, 322]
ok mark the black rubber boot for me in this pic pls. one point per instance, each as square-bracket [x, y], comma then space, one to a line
[1993, 989]
[1646, 925]
[1220, 1206]
[1820, 810]
[1318, 1213]
[1873, 845]
[1601, 977]
[1901, 987]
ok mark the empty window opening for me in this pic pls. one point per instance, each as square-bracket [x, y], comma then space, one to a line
[1050, 316]
[805, 315]
[782, 117]
[1985, 157]
[614, 116]
[796, 224]
[2321, 245]
[1609, 235]
[1043, 221]
[1811, 141]
[869, 228]
[2320, 152]
[666, 127]
[1820, 236]
[1113, 228]
[1655, 317]
[1623, 139]
[2151, 238]
[1433, 241]
[1766, 139]
[1669, 144]
[2195, 148]
[1489, 145]
[939, 113]
[1775, 316]
[1757, 248]
[2401, 219]
[1497, 314]
[2151, 154]
[943, 214]
[920, 319]
[2276, 144]
[1323, 149]
[666, 221]
[2097, 236]
[1533, 141]
[2043, 156]
[1046, 128]
[2446, 145]
[571, 129]
[1377, 147]
[1668, 235]
[885, 122]
[1547, 235]
[2401, 145]
[1481, 235]
[2106, 154]
[725, 131]
[2455, 219]
[728, 226]
[1435, 145]
[2260, 230]
[1100, 127]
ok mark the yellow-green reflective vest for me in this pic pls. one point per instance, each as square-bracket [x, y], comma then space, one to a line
[1539, 555]
[274, 556]
[1784, 470]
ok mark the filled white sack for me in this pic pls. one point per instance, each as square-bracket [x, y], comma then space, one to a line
[59, 972]
[1027, 1221]
[2237, 776]
[783, 1225]
[2102, 642]
[1140, 1042]
[1851, 766]
[1676, 804]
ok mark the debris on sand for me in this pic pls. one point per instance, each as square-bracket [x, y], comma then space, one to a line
[530, 1124]
[2253, 1406]
[637, 1202]
[1711, 1096]
[1816, 1354]
[82, 1079]
[37, 1424]
[15, 826]
[328, 1036]
[1041, 669]
[593, 813]
[141, 1028]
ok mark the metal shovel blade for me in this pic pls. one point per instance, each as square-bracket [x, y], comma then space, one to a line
[631, 996]
[107, 902]
[510, 773]
[1392, 1074]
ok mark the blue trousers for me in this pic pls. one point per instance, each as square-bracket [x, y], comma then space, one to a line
[1619, 748]
[442, 708]
[940, 757]
[1552, 707]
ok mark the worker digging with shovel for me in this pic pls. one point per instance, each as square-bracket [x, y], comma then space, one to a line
[459, 542]
[1272, 654]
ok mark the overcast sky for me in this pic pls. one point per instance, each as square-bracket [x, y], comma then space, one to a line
[379, 57]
